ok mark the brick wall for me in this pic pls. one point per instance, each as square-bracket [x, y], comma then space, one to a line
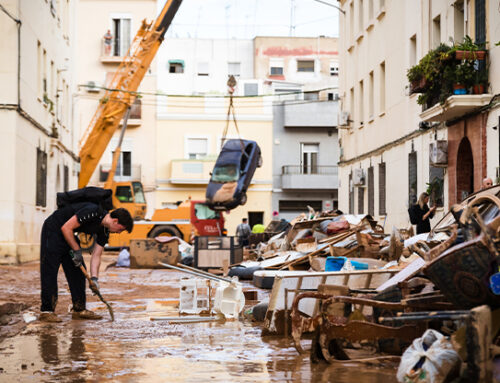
[474, 129]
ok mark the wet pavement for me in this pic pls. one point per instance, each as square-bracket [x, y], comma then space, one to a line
[136, 349]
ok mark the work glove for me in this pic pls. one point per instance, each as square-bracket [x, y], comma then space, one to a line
[77, 257]
[94, 285]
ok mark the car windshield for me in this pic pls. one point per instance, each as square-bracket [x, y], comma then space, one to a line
[225, 173]
[138, 193]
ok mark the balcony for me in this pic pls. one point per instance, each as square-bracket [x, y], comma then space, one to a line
[454, 107]
[128, 173]
[135, 117]
[310, 114]
[309, 178]
[191, 171]
[113, 53]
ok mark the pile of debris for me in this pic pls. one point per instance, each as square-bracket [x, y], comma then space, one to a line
[366, 296]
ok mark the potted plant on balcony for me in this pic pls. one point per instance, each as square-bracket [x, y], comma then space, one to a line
[468, 50]
[417, 80]
[481, 80]
[465, 74]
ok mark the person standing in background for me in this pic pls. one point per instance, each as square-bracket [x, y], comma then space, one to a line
[421, 215]
[243, 231]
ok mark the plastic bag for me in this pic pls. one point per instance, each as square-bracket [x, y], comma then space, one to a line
[123, 259]
[429, 359]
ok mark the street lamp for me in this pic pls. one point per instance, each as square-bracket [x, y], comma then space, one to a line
[331, 5]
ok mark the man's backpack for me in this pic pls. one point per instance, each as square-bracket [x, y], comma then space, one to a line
[98, 196]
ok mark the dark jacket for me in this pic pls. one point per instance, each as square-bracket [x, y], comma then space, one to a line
[416, 217]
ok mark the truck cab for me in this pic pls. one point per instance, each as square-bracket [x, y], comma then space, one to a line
[130, 195]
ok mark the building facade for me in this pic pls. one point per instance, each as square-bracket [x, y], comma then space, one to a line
[302, 74]
[101, 49]
[386, 137]
[192, 115]
[39, 143]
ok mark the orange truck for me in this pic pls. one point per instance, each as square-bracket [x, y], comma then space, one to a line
[186, 220]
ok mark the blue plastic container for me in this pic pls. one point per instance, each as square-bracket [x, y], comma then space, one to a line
[336, 263]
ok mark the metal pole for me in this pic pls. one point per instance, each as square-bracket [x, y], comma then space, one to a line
[213, 278]
[203, 272]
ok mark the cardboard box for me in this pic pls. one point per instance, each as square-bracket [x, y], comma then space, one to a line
[146, 253]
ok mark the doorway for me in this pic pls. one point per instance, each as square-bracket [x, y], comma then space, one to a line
[255, 217]
[464, 170]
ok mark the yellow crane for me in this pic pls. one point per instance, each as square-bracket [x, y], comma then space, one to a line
[117, 99]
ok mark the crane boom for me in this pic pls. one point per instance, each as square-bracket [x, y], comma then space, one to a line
[122, 90]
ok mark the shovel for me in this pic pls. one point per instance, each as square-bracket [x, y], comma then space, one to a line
[95, 290]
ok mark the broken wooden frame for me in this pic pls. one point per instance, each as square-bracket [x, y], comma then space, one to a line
[287, 284]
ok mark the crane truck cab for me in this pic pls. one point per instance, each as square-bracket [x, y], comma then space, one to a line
[130, 195]
[186, 219]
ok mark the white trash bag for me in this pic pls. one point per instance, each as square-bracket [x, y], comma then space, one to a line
[429, 359]
[123, 259]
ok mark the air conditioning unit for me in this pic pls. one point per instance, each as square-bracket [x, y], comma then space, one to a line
[344, 118]
[438, 153]
[359, 178]
[92, 87]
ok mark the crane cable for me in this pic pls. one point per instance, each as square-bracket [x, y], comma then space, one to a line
[231, 83]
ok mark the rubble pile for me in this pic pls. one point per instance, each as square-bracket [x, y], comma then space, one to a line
[365, 295]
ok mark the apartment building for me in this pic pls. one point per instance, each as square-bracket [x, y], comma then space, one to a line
[388, 141]
[39, 143]
[101, 49]
[302, 74]
[192, 116]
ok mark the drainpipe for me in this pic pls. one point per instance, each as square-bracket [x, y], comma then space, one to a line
[19, 23]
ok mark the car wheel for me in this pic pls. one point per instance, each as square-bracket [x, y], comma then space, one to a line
[260, 161]
[243, 198]
[165, 231]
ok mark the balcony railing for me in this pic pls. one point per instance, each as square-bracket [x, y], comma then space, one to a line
[114, 52]
[310, 169]
[309, 177]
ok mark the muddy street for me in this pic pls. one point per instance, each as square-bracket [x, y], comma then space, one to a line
[134, 348]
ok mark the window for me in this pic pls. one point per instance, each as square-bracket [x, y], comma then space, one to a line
[351, 23]
[124, 166]
[458, 21]
[351, 102]
[361, 200]
[480, 22]
[361, 20]
[196, 148]
[436, 31]
[382, 87]
[40, 58]
[351, 195]
[121, 32]
[413, 50]
[333, 96]
[136, 110]
[251, 89]
[381, 189]
[436, 183]
[412, 178]
[66, 177]
[305, 65]
[124, 194]
[41, 178]
[309, 158]
[138, 192]
[361, 103]
[371, 98]
[203, 69]
[371, 192]
[202, 211]
[334, 68]
[175, 66]
[234, 69]
[44, 71]
[276, 67]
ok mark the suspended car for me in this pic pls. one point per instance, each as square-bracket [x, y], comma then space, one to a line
[232, 174]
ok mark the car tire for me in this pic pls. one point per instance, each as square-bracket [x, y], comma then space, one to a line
[260, 161]
[243, 199]
[165, 231]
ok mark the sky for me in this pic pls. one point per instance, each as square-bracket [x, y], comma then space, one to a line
[245, 19]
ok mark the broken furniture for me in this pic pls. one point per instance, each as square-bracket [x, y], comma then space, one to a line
[147, 253]
[214, 252]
